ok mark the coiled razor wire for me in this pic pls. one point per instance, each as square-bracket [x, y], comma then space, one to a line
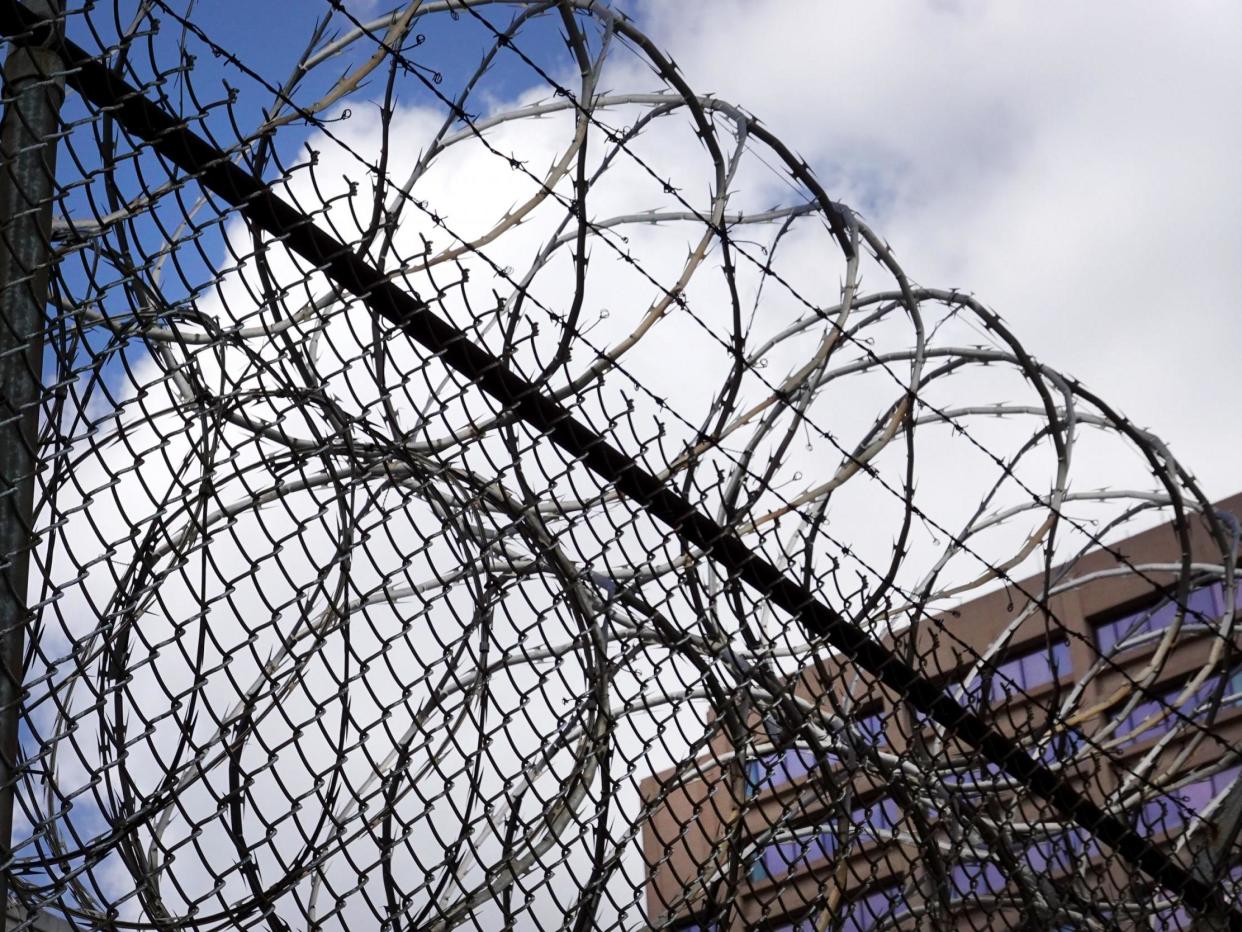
[511, 494]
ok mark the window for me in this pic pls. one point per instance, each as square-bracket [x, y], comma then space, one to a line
[871, 727]
[1172, 712]
[1050, 855]
[771, 771]
[1168, 812]
[1020, 673]
[1061, 747]
[1057, 853]
[861, 914]
[775, 770]
[1058, 748]
[1180, 919]
[874, 820]
[1129, 729]
[1233, 688]
[1203, 606]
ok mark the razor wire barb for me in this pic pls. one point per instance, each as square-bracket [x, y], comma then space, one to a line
[465, 496]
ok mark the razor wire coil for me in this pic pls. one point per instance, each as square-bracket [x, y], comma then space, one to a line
[319, 634]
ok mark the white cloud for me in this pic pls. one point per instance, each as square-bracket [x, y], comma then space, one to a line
[1072, 164]
[997, 150]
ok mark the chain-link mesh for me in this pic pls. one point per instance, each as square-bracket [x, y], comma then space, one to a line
[463, 476]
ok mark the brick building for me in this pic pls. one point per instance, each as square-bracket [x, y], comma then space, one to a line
[773, 836]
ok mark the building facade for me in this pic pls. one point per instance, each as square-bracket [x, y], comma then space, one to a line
[1131, 691]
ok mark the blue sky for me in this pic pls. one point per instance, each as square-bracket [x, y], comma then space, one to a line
[1084, 140]
[269, 37]
[1069, 166]
[1052, 162]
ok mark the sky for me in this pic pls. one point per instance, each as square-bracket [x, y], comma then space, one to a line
[1069, 165]
[1072, 165]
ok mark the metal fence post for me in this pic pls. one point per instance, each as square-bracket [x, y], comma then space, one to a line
[33, 94]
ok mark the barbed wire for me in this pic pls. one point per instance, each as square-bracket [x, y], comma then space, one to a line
[578, 616]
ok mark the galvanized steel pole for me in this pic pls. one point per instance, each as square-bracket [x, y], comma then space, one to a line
[33, 92]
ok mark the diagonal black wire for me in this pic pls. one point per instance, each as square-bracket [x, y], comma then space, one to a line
[260, 205]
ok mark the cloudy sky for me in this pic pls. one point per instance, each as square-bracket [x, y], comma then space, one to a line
[1074, 165]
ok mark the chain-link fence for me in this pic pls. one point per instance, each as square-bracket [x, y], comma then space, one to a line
[463, 476]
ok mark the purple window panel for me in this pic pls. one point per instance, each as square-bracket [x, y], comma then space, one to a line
[757, 773]
[970, 695]
[781, 857]
[877, 819]
[1180, 919]
[985, 773]
[1129, 728]
[1188, 709]
[1203, 606]
[1023, 673]
[1082, 843]
[1195, 797]
[1173, 920]
[774, 770]
[1167, 813]
[1233, 689]
[1056, 854]
[1061, 747]
[884, 814]
[1110, 633]
[1060, 853]
[872, 727]
[775, 859]
[822, 846]
[1159, 815]
[795, 764]
[1045, 665]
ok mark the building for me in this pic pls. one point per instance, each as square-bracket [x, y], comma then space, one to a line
[774, 836]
